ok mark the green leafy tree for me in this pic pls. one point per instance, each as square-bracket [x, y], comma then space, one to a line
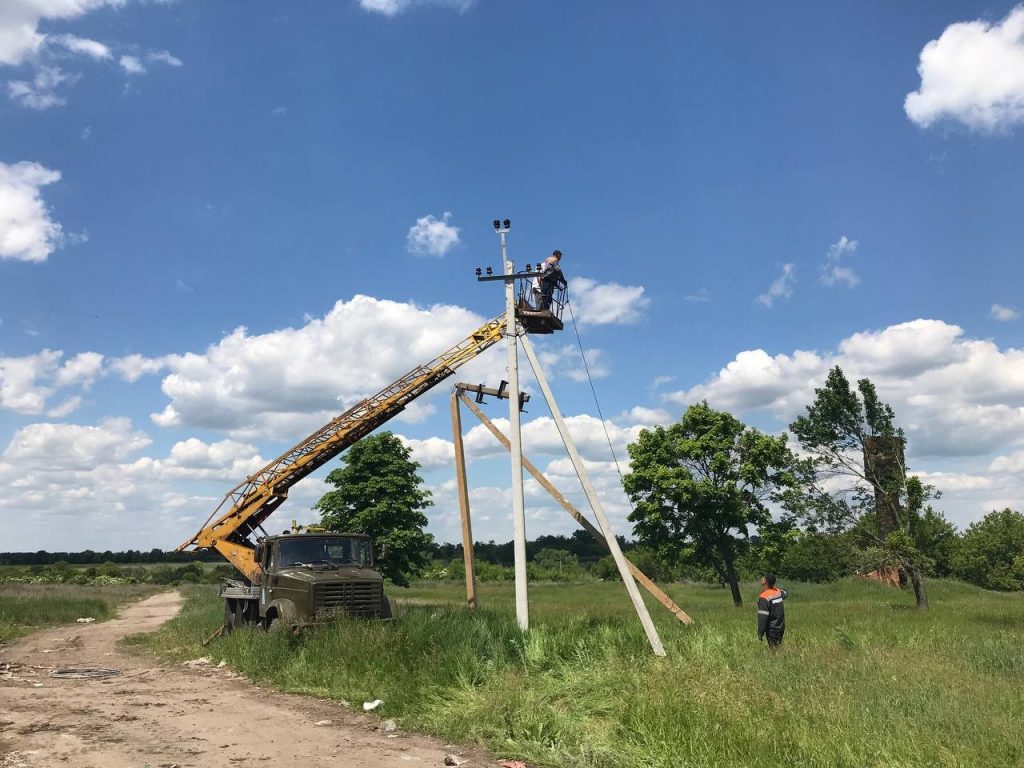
[700, 485]
[820, 557]
[378, 492]
[769, 547]
[555, 559]
[643, 558]
[936, 539]
[991, 552]
[860, 477]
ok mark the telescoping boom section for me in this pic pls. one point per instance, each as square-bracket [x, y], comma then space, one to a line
[252, 501]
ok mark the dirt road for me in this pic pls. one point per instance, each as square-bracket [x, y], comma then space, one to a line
[153, 716]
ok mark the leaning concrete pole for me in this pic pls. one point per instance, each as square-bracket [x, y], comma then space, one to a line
[595, 503]
[518, 501]
[460, 482]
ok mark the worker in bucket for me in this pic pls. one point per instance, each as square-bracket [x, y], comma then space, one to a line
[771, 615]
[549, 276]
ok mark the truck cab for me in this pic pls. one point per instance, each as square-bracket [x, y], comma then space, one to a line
[307, 578]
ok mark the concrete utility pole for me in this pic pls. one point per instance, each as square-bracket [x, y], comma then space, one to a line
[515, 432]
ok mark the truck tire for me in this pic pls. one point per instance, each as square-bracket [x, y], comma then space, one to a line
[387, 609]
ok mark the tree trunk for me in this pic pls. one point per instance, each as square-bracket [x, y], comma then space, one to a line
[884, 466]
[734, 584]
[919, 594]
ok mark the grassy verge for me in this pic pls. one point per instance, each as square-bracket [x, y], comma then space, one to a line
[27, 607]
[864, 679]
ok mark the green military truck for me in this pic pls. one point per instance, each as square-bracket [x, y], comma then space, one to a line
[308, 578]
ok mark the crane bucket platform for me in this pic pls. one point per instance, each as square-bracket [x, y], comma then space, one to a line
[532, 316]
[537, 312]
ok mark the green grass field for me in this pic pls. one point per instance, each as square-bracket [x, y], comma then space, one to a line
[864, 678]
[26, 607]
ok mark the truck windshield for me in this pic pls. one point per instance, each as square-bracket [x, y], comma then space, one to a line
[324, 551]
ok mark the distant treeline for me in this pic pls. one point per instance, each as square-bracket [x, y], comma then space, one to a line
[88, 557]
[581, 544]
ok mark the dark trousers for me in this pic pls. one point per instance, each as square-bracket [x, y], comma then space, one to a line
[546, 291]
[775, 638]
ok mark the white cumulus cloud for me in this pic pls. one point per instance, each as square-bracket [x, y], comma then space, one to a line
[27, 383]
[540, 437]
[66, 408]
[1004, 314]
[19, 23]
[23, 43]
[956, 396]
[165, 57]
[81, 45]
[21, 381]
[72, 486]
[294, 379]
[132, 65]
[40, 92]
[73, 446]
[395, 7]
[781, 287]
[1012, 463]
[132, 367]
[974, 74]
[27, 232]
[646, 417]
[833, 271]
[567, 362]
[432, 452]
[595, 303]
[82, 369]
[431, 236]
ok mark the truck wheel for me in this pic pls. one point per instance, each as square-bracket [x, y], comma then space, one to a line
[387, 609]
[273, 623]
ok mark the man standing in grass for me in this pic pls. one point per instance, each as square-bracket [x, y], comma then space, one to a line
[771, 615]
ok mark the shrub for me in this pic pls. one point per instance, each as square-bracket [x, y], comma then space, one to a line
[991, 552]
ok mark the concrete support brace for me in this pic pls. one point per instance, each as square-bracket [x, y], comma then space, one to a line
[595, 502]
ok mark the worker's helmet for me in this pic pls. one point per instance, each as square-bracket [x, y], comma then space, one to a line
[557, 253]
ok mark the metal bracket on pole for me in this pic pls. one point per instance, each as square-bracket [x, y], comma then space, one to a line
[502, 392]
[639, 575]
[595, 502]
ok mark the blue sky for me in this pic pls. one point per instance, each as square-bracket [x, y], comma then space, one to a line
[745, 195]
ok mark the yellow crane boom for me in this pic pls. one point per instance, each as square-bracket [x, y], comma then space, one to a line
[253, 500]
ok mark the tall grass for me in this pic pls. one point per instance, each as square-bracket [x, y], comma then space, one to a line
[25, 607]
[864, 678]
